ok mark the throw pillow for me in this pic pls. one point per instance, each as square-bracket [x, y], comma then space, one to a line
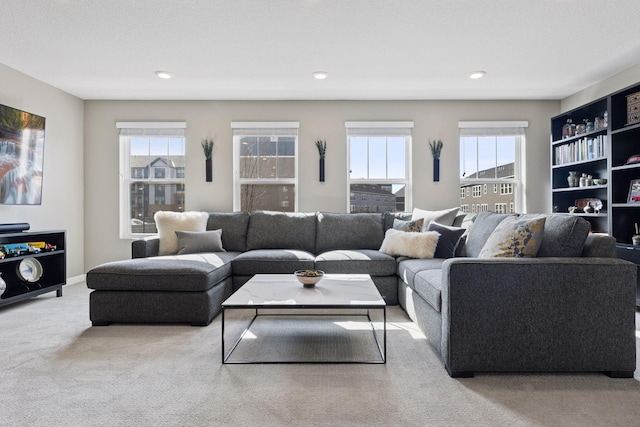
[483, 226]
[409, 226]
[168, 223]
[448, 241]
[192, 242]
[413, 245]
[444, 217]
[514, 237]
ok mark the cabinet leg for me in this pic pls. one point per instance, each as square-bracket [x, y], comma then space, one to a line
[59, 292]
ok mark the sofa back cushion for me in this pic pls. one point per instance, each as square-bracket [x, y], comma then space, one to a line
[564, 235]
[234, 229]
[480, 231]
[349, 231]
[388, 218]
[281, 230]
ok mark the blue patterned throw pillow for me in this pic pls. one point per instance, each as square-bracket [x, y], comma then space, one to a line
[514, 238]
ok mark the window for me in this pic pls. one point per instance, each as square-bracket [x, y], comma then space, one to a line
[506, 188]
[501, 208]
[379, 166]
[152, 164]
[490, 154]
[265, 166]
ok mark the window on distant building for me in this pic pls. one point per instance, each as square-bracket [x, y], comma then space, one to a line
[265, 166]
[501, 208]
[152, 163]
[379, 166]
[491, 153]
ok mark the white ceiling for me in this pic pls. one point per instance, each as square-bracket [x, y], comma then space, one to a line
[268, 49]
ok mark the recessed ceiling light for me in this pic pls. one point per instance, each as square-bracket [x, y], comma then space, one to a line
[477, 74]
[320, 75]
[163, 74]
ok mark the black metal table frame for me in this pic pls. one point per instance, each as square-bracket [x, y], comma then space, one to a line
[382, 348]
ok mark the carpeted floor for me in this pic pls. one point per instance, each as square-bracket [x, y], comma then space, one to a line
[58, 370]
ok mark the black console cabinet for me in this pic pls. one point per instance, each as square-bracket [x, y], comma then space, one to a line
[51, 271]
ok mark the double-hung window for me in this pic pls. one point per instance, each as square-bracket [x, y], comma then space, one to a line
[379, 161]
[152, 170]
[265, 166]
[491, 153]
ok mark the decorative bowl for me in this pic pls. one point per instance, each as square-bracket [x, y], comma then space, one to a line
[599, 181]
[309, 278]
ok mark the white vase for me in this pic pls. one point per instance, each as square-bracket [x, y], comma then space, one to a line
[3, 285]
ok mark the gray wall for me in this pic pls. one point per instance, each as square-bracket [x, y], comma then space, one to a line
[628, 77]
[318, 119]
[63, 185]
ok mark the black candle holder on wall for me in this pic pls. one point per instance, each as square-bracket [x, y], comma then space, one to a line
[322, 150]
[321, 166]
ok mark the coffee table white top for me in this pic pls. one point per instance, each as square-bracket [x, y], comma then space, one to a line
[333, 291]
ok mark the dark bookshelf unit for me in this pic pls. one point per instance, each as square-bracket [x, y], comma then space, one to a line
[582, 152]
[51, 262]
[621, 139]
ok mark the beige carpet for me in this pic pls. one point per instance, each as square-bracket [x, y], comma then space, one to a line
[60, 371]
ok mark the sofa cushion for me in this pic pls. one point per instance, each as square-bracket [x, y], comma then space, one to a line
[564, 235]
[281, 230]
[408, 268]
[272, 261]
[234, 228]
[414, 245]
[389, 217]
[357, 261]
[448, 241]
[193, 242]
[515, 237]
[184, 273]
[444, 217]
[167, 223]
[483, 226]
[348, 231]
[428, 284]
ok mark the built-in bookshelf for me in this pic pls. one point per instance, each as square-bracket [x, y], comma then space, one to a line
[601, 139]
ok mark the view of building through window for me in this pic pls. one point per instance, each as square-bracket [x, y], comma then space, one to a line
[379, 166]
[266, 166]
[153, 176]
[490, 169]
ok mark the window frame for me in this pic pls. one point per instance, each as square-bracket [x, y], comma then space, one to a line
[498, 129]
[258, 127]
[385, 129]
[126, 179]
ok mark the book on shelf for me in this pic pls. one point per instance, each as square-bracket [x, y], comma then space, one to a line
[580, 150]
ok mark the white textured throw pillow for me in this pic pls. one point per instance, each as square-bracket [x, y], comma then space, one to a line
[168, 223]
[413, 245]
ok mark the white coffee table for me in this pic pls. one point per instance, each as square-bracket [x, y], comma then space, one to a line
[346, 292]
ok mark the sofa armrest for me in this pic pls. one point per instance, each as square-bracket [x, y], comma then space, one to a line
[538, 314]
[147, 247]
[599, 245]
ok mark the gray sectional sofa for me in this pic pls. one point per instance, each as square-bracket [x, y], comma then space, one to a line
[571, 308]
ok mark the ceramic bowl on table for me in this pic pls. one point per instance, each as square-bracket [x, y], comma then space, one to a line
[309, 278]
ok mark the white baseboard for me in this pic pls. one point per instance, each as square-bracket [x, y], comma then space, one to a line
[76, 279]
